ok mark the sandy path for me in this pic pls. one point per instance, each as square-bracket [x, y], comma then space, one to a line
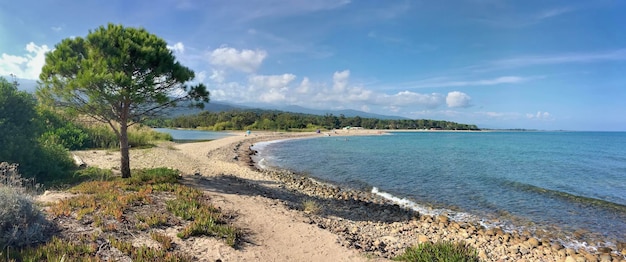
[273, 231]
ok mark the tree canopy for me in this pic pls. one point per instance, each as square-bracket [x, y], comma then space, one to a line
[117, 75]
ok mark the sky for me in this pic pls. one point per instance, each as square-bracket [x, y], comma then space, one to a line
[548, 65]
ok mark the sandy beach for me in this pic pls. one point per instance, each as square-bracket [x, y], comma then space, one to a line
[350, 226]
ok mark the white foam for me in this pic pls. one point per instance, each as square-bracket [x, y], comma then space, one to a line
[406, 203]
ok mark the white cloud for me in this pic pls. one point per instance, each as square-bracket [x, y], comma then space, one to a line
[340, 80]
[271, 81]
[445, 82]
[305, 86]
[243, 60]
[27, 66]
[218, 76]
[539, 116]
[553, 12]
[56, 28]
[200, 77]
[270, 88]
[538, 60]
[407, 98]
[458, 99]
[179, 47]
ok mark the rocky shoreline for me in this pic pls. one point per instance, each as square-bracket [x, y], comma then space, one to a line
[373, 224]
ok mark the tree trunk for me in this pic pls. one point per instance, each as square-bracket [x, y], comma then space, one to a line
[125, 159]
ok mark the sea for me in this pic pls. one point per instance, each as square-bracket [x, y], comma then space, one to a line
[571, 184]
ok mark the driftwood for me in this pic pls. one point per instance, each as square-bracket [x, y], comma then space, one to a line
[79, 161]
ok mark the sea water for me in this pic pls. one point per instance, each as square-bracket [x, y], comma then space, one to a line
[190, 135]
[570, 183]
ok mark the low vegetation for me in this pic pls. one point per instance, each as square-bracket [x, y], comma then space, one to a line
[444, 251]
[111, 217]
[311, 207]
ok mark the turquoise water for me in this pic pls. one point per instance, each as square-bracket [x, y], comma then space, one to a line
[186, 135]
[559, 181]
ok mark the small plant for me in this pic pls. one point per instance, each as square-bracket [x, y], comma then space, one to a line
[311, 207]
[207, 226]
[153, 220]
[21, 221]
[56, 250]
[164, 240]
[445, 251]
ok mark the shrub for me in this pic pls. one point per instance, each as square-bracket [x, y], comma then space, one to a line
[311, 207]
[21, 222]
[444, 251]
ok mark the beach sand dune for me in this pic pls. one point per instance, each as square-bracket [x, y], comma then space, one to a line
[274, 232]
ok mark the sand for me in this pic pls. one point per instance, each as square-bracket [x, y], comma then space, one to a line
[274, 232]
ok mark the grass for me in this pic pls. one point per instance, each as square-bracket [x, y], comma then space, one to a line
[117, 211]
[444, 251]
[311, 207]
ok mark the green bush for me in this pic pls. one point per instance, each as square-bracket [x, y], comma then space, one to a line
[440, 252]
[22, 127]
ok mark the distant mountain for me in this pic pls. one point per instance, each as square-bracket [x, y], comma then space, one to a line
[183, 108]
[224, 106]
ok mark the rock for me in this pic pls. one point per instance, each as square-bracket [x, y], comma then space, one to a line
[570, 259]
[483, 255]
[422, 239]
[557, 246]
[604, 250]
[443, 219]
[570, 252]
[605, 257]
[533, 242]
[591, 258]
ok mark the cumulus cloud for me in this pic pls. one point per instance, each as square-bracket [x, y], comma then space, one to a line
[218, 76]
[539, 116]
[340, 80]
[271, 88]
[27, 66]
[179, 47]
[408, 98]
[305, 86]
[243, 60]
[271, 81]
[458, 99]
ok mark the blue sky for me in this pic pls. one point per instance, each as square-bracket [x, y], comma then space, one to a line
[498, 64]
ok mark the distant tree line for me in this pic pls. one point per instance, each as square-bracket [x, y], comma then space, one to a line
[286, 121]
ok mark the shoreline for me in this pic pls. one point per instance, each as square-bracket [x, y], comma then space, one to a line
[540, 243]
[357, 220]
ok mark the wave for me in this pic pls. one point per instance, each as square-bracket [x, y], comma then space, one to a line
[466, 217]
[568, 196]
[406, 203]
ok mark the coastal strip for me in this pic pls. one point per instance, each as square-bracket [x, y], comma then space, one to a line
[373, 223]
[271, 204]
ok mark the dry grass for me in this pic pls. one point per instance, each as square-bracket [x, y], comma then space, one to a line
[120, 211]
[311, 207]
